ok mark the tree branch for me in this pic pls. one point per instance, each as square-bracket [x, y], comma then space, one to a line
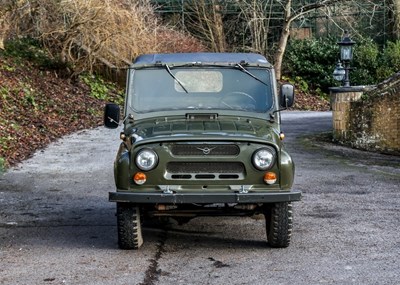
[313, 6]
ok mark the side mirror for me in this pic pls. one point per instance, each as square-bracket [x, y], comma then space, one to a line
[111, 116]
[287, 95]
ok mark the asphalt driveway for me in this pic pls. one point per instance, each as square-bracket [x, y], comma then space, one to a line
[57, 226]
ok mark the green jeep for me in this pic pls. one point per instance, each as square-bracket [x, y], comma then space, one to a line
[202, 137]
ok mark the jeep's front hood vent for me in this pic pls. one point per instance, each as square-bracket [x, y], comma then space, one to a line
[229, 126]
[205, 149]
[202, 126]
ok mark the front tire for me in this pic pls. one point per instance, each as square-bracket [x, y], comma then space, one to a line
[278, 224]
[129, 226]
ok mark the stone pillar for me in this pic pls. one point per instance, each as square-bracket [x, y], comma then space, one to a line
[341, 99]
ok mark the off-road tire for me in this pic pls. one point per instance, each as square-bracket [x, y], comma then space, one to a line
[278, 223]
[129, 227]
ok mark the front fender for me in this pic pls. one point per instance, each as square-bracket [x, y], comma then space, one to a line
[121, 168]
[287, 170]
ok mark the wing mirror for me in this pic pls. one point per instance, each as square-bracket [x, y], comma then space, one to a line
[111, 116]
[287, 95]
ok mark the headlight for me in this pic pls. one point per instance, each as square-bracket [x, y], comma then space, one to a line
[263, 158]
[146, 159]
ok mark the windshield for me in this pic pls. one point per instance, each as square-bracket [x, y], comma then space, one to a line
[205, 88]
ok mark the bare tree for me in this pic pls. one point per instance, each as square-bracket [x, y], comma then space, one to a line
[291, 15]
[257, 15]
[204, 20]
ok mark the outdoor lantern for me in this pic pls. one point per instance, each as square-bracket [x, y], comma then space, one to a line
[346, 48]
[339, 72]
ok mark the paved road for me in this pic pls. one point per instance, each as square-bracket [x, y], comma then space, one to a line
[57, 227]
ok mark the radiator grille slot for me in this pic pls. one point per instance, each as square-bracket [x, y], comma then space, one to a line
[205, 167]
[205, 170]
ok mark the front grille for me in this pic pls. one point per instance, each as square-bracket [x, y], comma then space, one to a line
[205, 149]
[205, 170]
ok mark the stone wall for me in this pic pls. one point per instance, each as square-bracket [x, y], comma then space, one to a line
[368, 118]
[342, 99]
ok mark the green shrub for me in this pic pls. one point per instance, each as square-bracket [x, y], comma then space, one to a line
[390, 61]
[313, 60]
[366, 54]
[373, 65]
[365, 63]
[392, 55]
[299, 82]
[383, 72]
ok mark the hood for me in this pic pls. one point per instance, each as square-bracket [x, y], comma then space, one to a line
[214, 129]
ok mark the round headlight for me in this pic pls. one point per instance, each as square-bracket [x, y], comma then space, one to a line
[146, 159]
[263, 159]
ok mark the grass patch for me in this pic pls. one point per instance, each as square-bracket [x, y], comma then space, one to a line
[2, 165]
[103, 90]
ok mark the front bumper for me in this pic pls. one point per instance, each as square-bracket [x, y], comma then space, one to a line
[189, 198]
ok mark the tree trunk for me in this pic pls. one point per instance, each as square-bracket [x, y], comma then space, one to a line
[5, 20]
[396, 19]
[219, 29]
[4, 26]
[278, 57]
[280, 52]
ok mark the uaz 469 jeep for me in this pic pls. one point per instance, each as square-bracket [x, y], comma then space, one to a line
[202, 137]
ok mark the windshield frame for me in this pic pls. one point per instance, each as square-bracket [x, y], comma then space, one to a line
[247, 70]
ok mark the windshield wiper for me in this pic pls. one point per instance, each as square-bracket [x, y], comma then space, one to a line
[174, 77]
[238, 65]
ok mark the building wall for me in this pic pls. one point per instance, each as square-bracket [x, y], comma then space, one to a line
[368, 119]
